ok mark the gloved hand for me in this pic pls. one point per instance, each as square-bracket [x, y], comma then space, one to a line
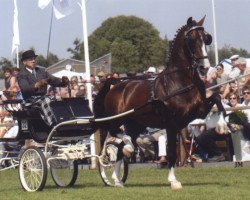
[40, 84]
[65, 80]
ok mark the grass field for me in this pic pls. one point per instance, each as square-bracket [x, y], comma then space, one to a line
[143, 183]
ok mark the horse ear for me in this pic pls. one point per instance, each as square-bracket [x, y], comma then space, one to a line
[190, 21]
[200, 23]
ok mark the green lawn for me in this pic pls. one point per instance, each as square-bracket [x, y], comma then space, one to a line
[143, 183]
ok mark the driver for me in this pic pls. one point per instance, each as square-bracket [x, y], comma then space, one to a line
[33, 82]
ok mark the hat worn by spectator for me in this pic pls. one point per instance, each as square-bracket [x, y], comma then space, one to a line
[28, 54]
[151, 70]
[241, 61]
[234, 57]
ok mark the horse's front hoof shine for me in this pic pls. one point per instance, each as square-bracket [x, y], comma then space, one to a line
[176, 185]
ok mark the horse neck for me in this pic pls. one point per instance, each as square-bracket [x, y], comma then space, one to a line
[179, 55]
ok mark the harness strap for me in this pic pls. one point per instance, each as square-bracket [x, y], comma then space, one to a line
[180, 91]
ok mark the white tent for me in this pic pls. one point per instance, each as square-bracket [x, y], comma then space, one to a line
[69, 74]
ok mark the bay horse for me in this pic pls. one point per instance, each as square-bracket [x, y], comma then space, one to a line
[170, 101]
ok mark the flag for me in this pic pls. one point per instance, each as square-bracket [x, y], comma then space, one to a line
[15, 41]
[62, 8]
[43, 3]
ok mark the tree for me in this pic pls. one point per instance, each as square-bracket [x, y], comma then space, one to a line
[42, 61]
[134, 43]
[77, 51]
[4, 62]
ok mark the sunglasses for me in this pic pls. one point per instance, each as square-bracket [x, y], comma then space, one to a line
[219, 69]
[232, 98]
[246, 93]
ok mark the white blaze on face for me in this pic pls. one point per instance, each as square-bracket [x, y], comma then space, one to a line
[206, 62]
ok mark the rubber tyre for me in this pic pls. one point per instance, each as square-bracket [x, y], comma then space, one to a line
[65, 176]
[106, 172]
[32, 169]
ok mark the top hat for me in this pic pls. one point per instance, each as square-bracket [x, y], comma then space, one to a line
[28, 54]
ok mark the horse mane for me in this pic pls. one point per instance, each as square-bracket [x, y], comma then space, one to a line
[177, 35]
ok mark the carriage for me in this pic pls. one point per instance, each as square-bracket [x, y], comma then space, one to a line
[66, 144]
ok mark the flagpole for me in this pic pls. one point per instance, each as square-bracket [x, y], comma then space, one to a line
[86, 53]
[93, 137]
[17, 57]
[50, 28]
[215, 36]
[15, 40]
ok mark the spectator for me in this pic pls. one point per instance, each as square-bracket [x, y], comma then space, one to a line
[234, 72]
[109, 75]
[81, 92]
[207, 139]
[244, 70]
[151, 70]
[12, 89]
[246, 99]
[160, 69]
[234, 100]
[116, 75]
[74, 87]
[218, 77]
[64, 92]
[8, 129]
[233, 87]
[146, 145]
[52, 91]
[15, 71]
[102, 76]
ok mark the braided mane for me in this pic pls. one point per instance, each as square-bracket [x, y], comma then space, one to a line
[178, 32]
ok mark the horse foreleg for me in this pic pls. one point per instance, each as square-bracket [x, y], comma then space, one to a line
[175, 185]
[216, 99]
[115, 174]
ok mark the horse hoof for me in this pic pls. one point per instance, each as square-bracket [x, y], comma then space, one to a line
[176, 185]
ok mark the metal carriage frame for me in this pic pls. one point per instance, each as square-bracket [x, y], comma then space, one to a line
[65, 144]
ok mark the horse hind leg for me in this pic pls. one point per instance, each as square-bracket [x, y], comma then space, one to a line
[175, 185]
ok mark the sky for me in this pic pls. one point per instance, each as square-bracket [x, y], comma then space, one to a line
[232, 21]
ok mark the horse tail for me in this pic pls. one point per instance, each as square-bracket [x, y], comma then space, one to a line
[98, 105]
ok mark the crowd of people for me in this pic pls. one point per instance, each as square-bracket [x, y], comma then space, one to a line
[31, 81]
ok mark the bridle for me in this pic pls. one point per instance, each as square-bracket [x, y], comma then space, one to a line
[193, 67]
[187, 39]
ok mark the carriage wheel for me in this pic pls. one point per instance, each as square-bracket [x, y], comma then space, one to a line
[106, 169]
[32, 169]
[64, 172]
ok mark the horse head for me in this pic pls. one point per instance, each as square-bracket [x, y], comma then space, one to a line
[196, 39]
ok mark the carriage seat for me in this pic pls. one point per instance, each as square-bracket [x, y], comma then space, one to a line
[32, 126]
[69, 109]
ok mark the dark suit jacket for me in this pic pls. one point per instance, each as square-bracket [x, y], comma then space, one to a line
[26, 81]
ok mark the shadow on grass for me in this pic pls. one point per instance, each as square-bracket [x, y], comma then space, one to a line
[90, 185]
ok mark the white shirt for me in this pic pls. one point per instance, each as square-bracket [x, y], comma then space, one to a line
[247, 111]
